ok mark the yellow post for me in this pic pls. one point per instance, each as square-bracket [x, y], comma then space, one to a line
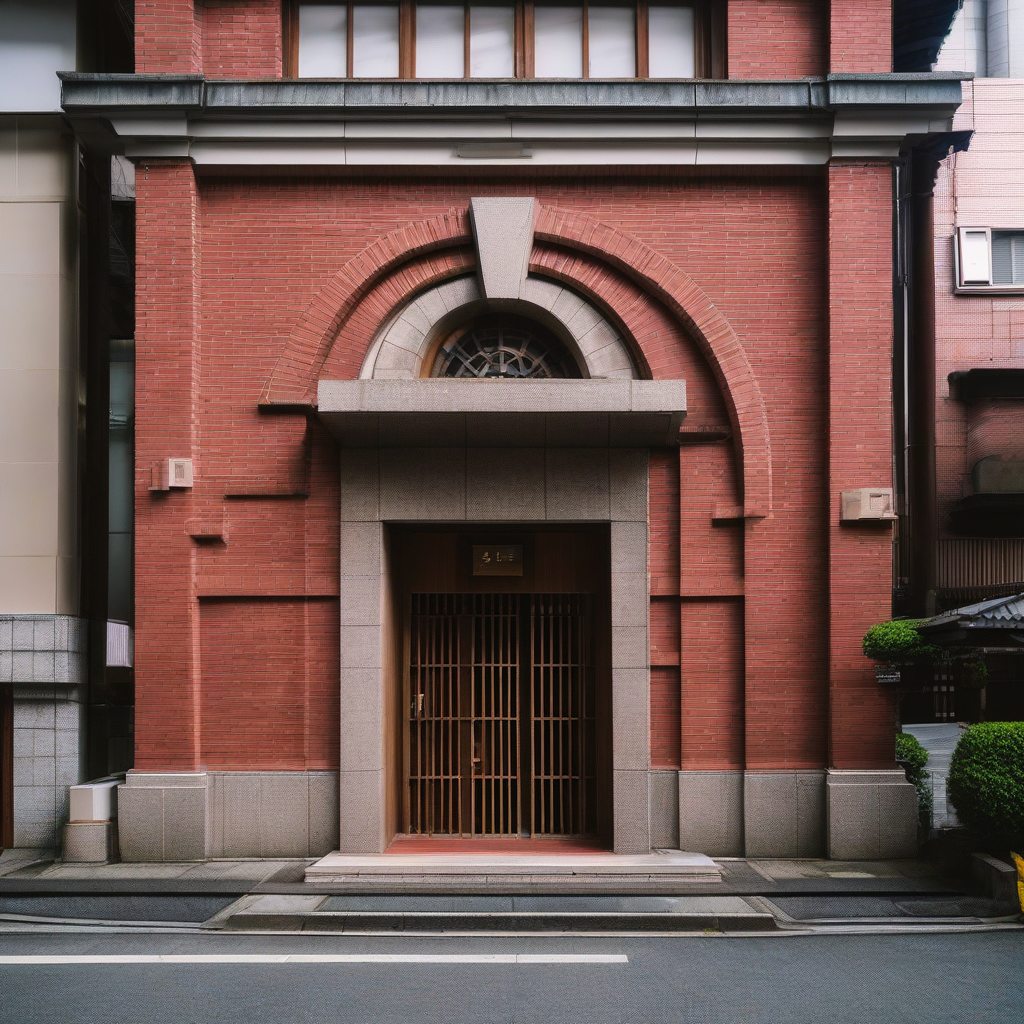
[1019, 861]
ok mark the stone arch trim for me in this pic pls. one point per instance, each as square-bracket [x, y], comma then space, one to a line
[407, 340]
[294, 377]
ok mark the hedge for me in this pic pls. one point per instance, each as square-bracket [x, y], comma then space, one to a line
[986, 779]
[910, 751]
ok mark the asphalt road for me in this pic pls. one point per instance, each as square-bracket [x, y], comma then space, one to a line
[931, 978]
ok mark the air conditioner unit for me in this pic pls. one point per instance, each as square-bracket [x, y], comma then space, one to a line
[171, 473]
[868, 503]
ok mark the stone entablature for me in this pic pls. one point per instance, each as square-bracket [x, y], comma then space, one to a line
[287, 122]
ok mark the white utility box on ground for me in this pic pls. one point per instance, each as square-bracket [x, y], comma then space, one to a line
[91, 834]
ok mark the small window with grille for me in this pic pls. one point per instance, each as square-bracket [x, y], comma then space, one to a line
[504, 346]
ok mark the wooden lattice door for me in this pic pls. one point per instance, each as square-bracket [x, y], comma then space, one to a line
[499, 739]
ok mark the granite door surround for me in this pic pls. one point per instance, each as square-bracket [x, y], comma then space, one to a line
[463, 486]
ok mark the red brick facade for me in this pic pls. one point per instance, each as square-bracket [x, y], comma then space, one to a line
[260, 251]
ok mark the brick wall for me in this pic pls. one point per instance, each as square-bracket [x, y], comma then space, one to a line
[861, 36]
[242, 38]
[281, 713]
[777, 38]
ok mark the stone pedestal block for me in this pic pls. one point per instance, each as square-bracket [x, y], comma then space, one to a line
[194, 815]
[871, 815]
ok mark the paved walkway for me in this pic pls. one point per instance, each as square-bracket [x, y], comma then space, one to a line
[38, 871]
[940, 740]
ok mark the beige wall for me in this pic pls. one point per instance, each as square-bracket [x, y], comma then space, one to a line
[38, 368]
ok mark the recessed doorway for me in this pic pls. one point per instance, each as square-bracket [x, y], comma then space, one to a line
[505, 679]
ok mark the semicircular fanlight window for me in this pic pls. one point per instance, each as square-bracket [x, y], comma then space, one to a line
[503, 349]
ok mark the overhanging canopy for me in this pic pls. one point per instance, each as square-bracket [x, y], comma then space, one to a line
[503, 413]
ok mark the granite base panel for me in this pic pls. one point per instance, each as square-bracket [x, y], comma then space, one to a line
[784, 814]
[664, 799]
[871, 815]
[711, 812]
[201, 815]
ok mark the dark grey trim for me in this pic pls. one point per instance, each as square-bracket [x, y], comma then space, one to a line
[108, 94]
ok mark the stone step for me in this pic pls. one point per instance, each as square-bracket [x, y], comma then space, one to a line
[516, 914]
[660, 873]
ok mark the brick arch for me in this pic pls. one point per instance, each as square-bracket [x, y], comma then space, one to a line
[709, 328]
[293, 381]
[294, 378]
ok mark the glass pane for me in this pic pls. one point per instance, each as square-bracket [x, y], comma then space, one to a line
[558, 42]
[612, 42]
[1007, 257]
[322, 41]
[375, 42]
[491, 42]
[440, 41]
[671, 42]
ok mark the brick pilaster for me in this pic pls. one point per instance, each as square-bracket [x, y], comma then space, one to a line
[861, 36]
[860, 454]
[168, 37]
[167, 275]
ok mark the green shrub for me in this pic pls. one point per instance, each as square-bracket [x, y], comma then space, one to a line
[986, 779]
[896, 641]
[915, 757]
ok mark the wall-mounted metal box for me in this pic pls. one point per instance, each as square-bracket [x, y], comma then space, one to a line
[867, 503]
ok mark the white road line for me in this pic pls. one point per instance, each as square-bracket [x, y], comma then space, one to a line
[318, 958]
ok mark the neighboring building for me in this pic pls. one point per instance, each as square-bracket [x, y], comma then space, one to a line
[617, 597]
[50, 520]
[967, 543]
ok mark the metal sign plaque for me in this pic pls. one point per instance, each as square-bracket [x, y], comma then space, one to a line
[497, 559]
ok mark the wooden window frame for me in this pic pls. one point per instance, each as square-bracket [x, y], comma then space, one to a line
[709, 37]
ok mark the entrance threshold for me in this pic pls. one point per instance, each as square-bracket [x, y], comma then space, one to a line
[663, 872]
[485, 845]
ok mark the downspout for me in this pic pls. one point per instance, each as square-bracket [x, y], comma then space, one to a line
[919, 338]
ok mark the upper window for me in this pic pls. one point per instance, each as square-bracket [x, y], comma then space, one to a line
[989, 259]
[603, 40]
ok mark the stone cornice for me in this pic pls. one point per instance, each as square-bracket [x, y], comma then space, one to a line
[303, 122]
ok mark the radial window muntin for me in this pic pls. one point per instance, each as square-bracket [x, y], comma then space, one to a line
[503, 347]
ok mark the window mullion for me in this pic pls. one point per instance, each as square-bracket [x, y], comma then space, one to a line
[465, 42]
[528, 49]
[406, 40]
[585, 27]
[350, 50]
[643, 66]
